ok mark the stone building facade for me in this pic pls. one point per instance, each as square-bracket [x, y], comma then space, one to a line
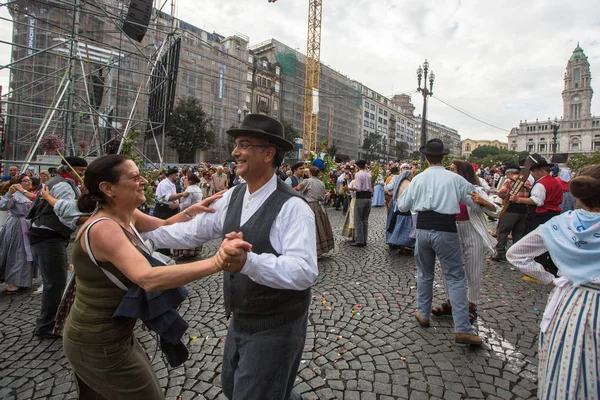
[448, 135]
[578, 129]
[468, 145]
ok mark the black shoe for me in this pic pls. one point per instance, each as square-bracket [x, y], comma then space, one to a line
[498, 258]
[358, 244]
[50, 336]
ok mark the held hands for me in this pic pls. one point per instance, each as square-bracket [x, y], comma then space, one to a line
[203, 206]
[12, 189]
[514, 198]
[231, 256]
[476, 198]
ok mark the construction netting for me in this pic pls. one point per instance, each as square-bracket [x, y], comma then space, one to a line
[287, 60]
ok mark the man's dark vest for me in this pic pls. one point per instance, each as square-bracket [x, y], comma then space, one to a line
[254, 305]
[42, 214]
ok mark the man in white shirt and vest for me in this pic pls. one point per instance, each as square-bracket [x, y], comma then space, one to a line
[268, 299]
[435, 195]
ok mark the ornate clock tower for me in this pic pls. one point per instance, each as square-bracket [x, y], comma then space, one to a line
[577, 95]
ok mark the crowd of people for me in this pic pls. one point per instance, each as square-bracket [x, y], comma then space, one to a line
[274, 225]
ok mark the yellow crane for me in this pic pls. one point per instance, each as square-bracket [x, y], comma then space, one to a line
[313, 77]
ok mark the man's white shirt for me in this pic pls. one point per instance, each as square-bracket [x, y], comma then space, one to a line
[293, 235]
[164, 190]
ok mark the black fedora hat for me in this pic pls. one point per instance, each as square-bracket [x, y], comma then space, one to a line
[434, 147]
[265, 127]
[539, 162]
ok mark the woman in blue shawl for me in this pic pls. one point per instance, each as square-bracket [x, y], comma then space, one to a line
[569, 347]
[399, 225]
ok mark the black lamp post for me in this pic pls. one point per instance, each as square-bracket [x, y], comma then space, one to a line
[555, 126]
[422, 74]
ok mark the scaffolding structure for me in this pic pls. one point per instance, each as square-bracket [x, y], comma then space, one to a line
[73, 77]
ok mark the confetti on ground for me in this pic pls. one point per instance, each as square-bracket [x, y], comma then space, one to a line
[328, 308]
[358, 305]
[194, 337]
[403, 358]
[397, 304]
[530, 279]
[323, 301]
[512, 269]
[501, 266]
[535, 309]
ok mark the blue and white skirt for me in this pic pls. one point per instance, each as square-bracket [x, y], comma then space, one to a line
[569, 350]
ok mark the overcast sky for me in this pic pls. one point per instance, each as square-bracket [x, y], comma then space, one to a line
[498, 61]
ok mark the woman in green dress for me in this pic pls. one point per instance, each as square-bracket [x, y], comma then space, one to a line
[107, 361]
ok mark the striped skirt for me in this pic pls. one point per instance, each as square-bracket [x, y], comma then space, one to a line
[569, 351]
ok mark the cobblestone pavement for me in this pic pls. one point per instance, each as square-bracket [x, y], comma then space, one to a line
[363, 341]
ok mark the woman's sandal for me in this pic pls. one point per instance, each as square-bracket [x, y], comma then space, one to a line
[443, 309]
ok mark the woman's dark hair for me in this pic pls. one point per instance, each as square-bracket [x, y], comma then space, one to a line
[35, 182]
[465, 170]
[193, 179]
[23, 177]
[586, 186]
[314, 171]
[103, 169]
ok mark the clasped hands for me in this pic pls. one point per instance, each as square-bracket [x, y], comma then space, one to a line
[231, 256]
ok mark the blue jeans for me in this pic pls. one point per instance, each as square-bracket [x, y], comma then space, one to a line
[446, 246]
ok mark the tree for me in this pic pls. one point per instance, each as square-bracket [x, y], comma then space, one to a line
[291, 134]
[190, 129]
[401, 150]
[578, 161]
[371, 145]
[483, 151]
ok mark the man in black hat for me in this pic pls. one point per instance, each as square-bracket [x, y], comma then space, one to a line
[267, 300]
[49, 238]
[514, 220]
[545, 195]
[435, 194]
[362, 204]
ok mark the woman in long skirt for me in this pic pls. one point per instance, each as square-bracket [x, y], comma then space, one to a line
[314, 192]
[569, 345]
[378, 197]
[17, 267]
[399, 225]
[348, 227]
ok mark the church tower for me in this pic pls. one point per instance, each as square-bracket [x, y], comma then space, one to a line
[577, 95]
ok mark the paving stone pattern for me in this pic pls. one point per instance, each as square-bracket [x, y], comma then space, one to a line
[362, 343]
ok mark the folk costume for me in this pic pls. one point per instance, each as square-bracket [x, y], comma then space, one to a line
[399, 224]
[268, 300]
[435, 194]
[570, 330]
[314, 192]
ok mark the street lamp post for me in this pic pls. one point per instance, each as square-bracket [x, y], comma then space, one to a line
[555, 127]
[422, 74]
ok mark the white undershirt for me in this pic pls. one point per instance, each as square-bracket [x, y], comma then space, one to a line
[293, 235]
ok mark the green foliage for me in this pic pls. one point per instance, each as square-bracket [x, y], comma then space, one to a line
[578, 161]
[329, 166]
[291, 134]
[190, 129]
[401, 150]
[488, 156]
[128, 150]
[371, 146]
[375, 172]
[483, 151]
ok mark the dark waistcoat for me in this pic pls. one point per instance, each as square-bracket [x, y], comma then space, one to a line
[254, 305]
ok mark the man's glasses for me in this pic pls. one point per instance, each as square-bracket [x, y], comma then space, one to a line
[246, 145]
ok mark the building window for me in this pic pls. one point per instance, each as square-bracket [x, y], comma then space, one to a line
[372, 107]
[575, 144]
[373, 117]
[385, 121]
[531, 148]
[366, 114]
[596, 145]
[277, 87]
[380, 120]
[249, 77]
[385, 131]
[542, 148]
[381, 111]
[367, 105]
[366, 123]
[372, 125]
[468, 147]
[277, 70]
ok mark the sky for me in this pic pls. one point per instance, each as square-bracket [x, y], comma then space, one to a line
[497, 61]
